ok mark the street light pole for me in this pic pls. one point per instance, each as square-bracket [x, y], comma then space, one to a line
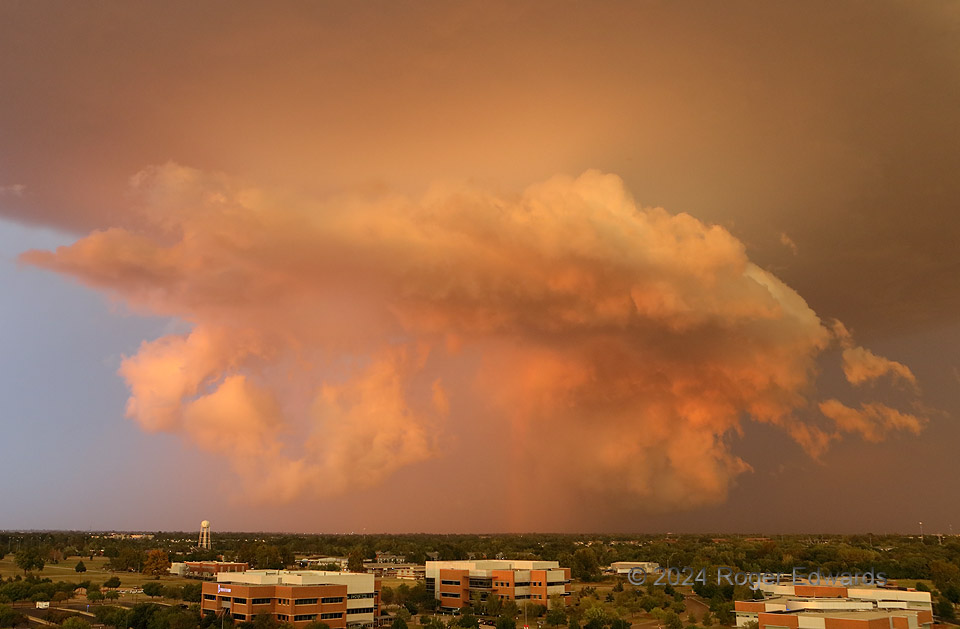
[921, 530]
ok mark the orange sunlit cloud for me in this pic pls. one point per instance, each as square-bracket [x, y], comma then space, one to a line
[628, 342]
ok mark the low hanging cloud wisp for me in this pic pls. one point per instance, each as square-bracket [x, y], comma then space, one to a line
[333, 341]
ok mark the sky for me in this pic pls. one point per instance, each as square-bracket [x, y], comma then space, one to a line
[480, 266]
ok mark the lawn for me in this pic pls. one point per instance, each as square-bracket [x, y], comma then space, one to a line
[96, 572]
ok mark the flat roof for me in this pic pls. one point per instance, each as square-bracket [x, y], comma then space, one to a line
[875, 614]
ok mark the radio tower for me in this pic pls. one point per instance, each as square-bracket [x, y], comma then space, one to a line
[204, 535]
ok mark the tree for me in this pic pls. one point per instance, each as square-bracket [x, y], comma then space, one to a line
[75, 622]
[398, 623]
[94, 595]
[112, 595]
[355, 560]
[173, 591]
[112, 582]
[707, 619]
[619, 623]
[944, 574]
[573, 624]
[80, 567]
[316, 624]
[556, 617]
[724, 615]
[192, 593]
[494, 605]
[30, 559]
[265, 621]
[10, 617]
[945, 609]
[386, 595]
[951, 593]
[673, 621]
[503, 622]
[468, 621]
[402, 594]
[596, 616]
[585, 565]
[152, 588]
[157, 563]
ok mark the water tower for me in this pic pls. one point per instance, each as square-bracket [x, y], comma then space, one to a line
[204, 534]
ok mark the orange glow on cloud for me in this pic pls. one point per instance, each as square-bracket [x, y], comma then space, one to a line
[618, 346]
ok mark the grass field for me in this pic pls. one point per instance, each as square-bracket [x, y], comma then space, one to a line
[96, 572]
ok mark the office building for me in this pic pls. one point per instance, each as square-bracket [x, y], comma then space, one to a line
[340, 599]
[457, 584]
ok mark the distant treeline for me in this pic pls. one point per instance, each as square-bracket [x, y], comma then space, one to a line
[898, 556]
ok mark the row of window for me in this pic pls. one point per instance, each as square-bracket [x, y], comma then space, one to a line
[360, 610]
[239, 616]
[521, 584]
[286, 601]
[329, 615]
[449, 594]
[449, 582]
[361, 595]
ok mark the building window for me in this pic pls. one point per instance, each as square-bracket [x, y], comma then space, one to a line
[331, 599]
[360, 610]
[361, 595]
[261, 601]
[240, 616]
[450, 594]
[330, 615]
[305, 601]
[302, 617]
[242, 601]
[448, 582]
[210, 597]
[282, 617]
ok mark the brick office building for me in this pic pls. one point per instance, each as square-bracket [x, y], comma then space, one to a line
[456, 583]
[340, 599]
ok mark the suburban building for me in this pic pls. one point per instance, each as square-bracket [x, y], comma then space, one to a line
[624, 567]
[878, 619]
[456, 584]
[206, 569]
[411, 571]
[879, 596]
[834, 607]
[394, 570]
[317, 562]
[340, 599]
